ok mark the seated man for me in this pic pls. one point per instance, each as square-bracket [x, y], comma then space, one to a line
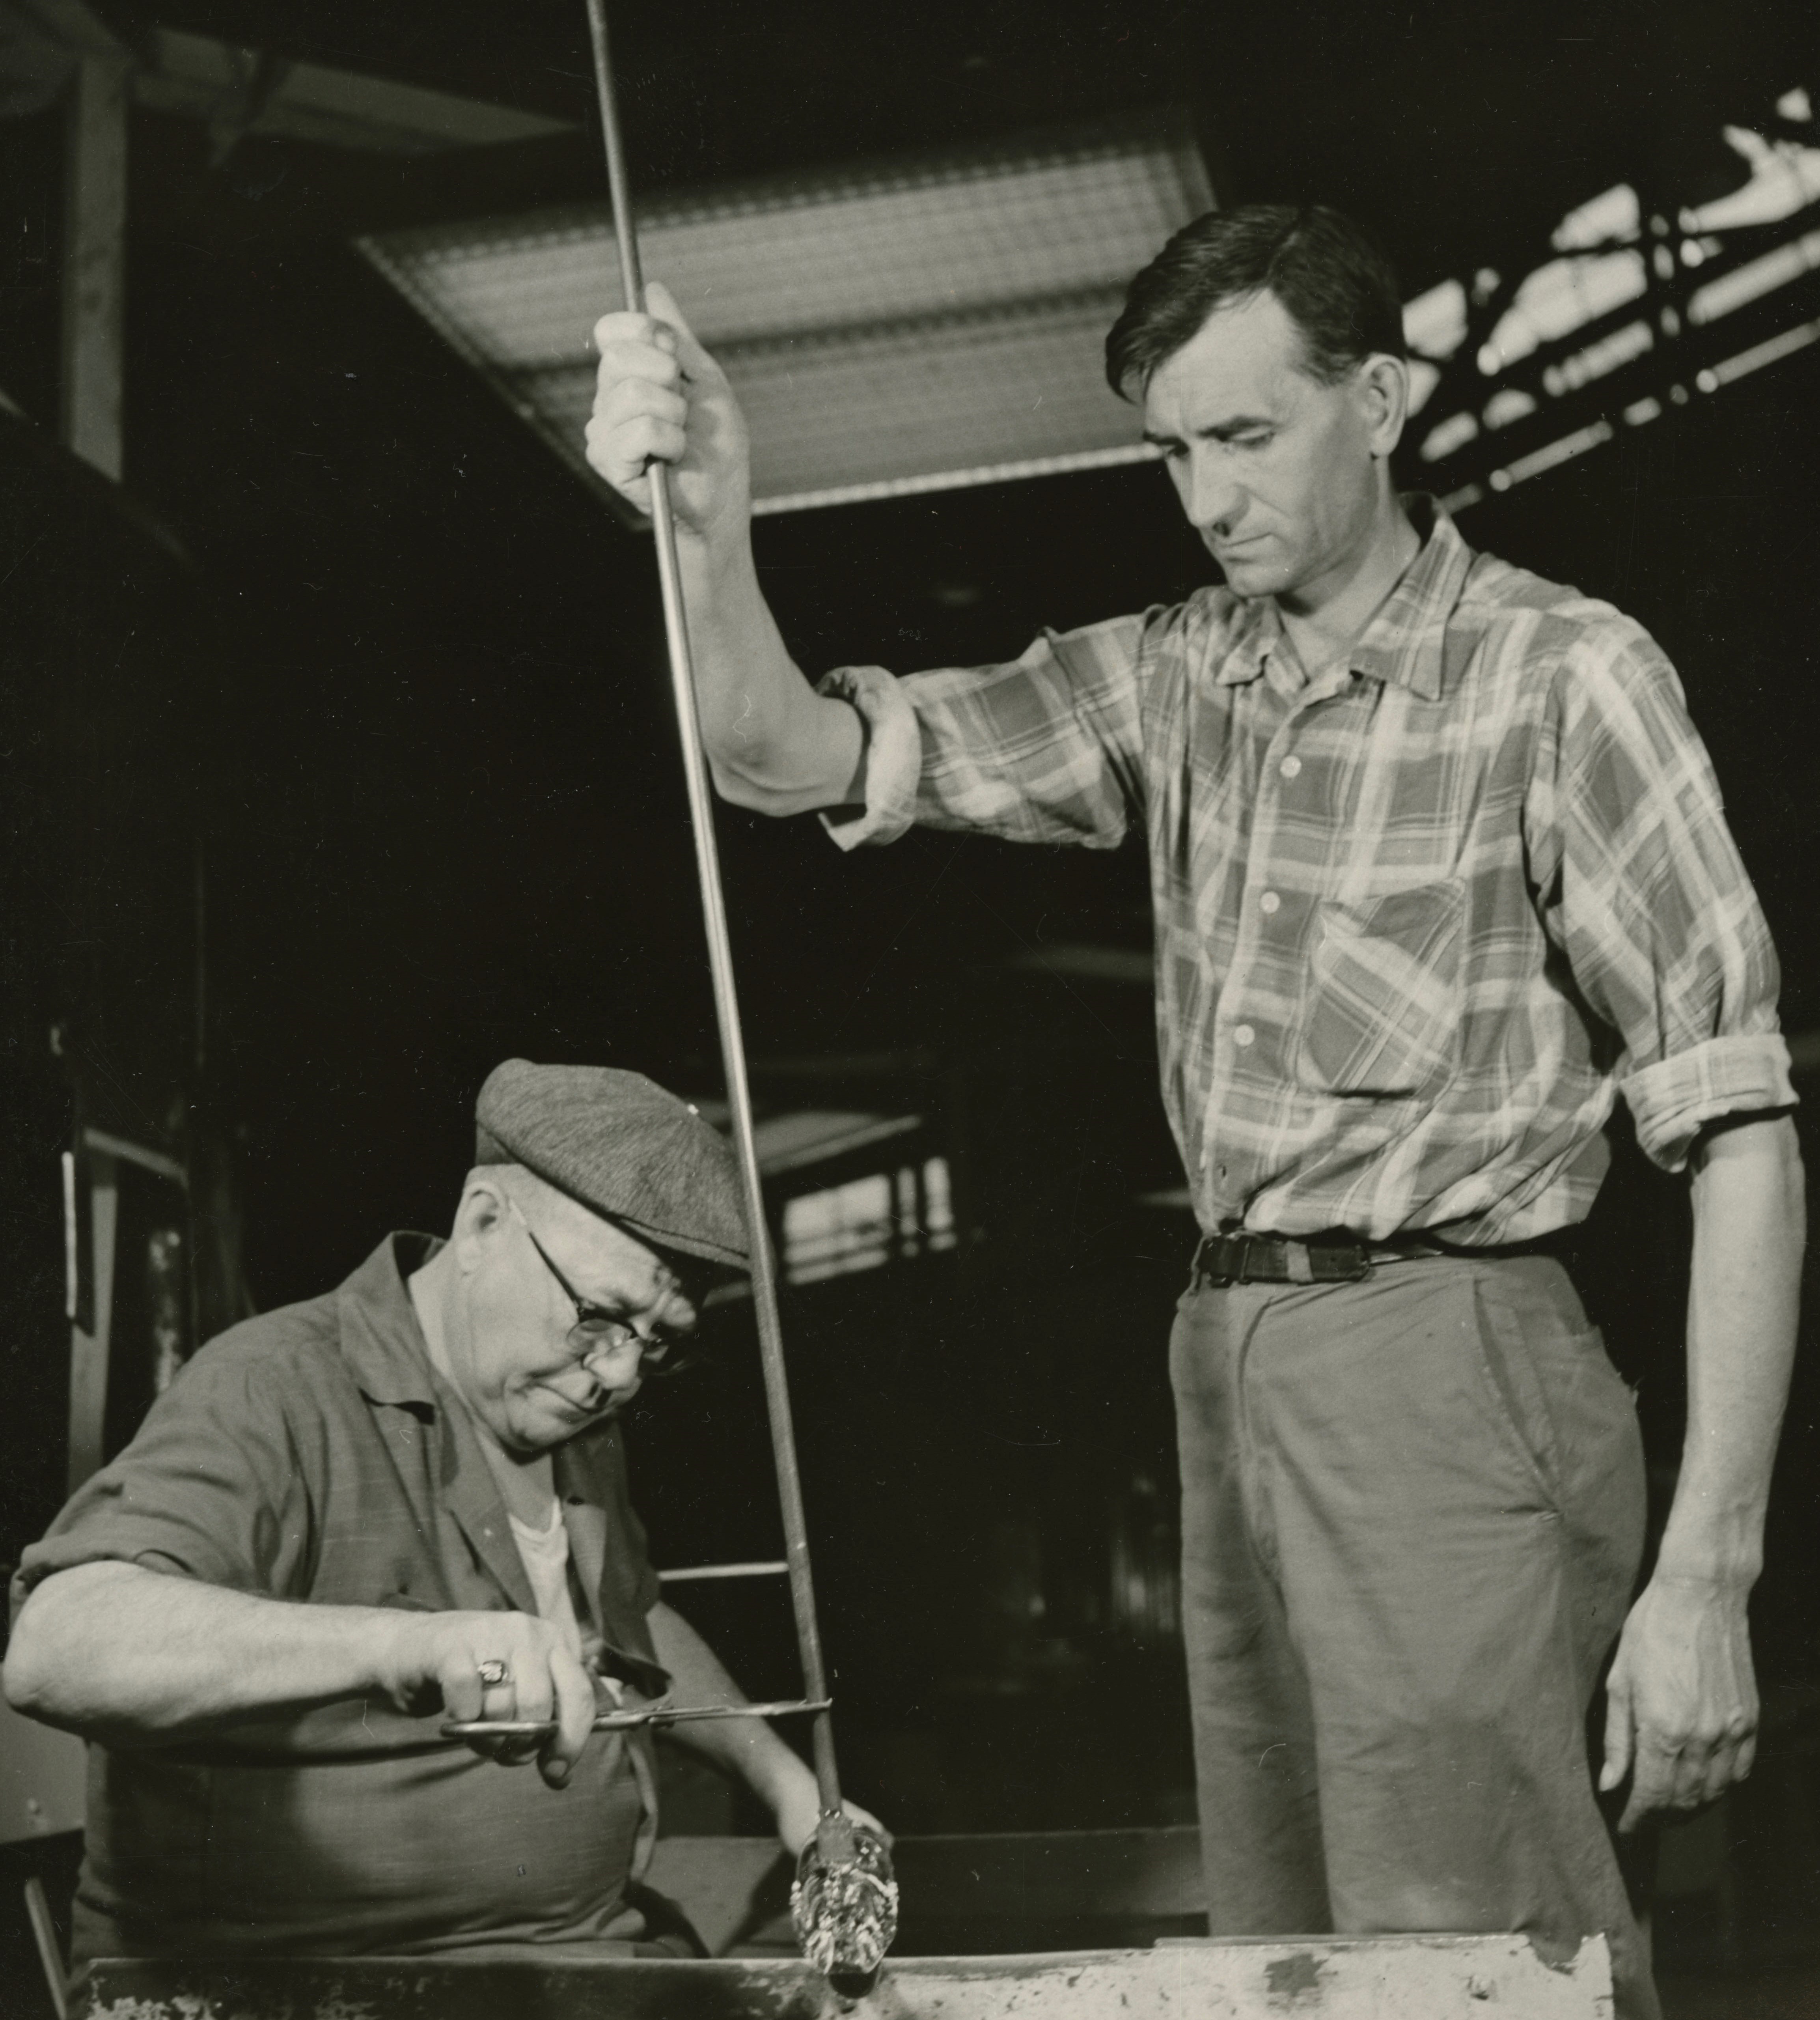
[426, 1459]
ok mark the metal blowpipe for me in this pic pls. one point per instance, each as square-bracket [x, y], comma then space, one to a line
[844, 1902]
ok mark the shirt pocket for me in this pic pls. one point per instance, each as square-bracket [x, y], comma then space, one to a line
[1381, 1011]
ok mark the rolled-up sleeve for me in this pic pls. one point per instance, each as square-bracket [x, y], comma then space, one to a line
[1047, 747]
[893, 755]
[1654, 908]
[209, 1489]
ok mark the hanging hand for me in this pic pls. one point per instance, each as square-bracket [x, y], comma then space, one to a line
[1682, 1702]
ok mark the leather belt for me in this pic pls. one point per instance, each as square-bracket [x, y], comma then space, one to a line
[1282, 1259]
[1341, 1258]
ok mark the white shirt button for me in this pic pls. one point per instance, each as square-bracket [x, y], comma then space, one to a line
[1270, 902]
[1289, 767]
[1243, 1035]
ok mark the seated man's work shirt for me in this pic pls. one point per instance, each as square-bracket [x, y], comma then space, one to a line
[314, 1454]
[1416, 919]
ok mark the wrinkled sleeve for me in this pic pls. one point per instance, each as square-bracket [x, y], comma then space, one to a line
[1648, 897]
[209, 1489]
[1047, 747]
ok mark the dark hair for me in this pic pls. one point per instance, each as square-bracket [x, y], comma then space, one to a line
[1337, 287]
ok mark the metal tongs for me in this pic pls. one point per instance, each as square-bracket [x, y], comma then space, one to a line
[662, 1713]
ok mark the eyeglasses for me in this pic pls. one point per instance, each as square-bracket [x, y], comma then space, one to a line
[596, 1333]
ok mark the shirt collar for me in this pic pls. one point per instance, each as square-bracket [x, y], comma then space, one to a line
[1260, 628]
[380, 1336]
[1403, 643]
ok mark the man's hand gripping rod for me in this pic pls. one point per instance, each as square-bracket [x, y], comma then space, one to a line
[844, 1902]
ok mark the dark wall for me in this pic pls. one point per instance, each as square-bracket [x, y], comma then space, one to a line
[105, 720]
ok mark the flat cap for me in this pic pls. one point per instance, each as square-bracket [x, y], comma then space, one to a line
[620, 1146]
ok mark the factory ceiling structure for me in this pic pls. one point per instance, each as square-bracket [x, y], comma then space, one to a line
[935, 320]
[1532, 111]
[906, 237]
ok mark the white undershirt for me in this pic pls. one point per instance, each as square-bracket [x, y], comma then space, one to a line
[545, 1553]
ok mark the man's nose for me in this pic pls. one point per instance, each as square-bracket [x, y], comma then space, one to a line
[616, 1366]
[1214, 498]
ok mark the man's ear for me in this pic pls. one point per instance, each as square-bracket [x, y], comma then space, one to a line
[481, 1220]
[1381, 385]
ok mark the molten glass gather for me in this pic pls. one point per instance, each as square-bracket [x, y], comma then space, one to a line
[845, 1910]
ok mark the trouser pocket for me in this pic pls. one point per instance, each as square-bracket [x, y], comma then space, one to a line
[1507, 1332]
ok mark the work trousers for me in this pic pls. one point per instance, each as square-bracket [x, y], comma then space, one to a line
[1413, 1517]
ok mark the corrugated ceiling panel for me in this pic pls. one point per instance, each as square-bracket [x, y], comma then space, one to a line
[888, 328]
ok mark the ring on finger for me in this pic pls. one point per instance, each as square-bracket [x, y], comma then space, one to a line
[493, 1671]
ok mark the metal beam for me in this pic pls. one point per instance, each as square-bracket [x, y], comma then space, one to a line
[1078, 961]
[95, 263]
[240, 91]
[90, 1346]
[111, 1146]
[71, 25]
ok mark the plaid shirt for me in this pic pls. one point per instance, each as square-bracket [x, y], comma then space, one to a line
[1417, 919]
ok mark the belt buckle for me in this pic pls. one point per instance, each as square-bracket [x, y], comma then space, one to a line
[1351, 1261]
[1210, 1257]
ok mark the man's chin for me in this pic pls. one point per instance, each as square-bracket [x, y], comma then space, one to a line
[552, 1422]
[578, 1416]
[1252, 575]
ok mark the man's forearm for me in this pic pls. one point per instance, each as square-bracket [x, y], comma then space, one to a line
[134, 1658]
[775, 745]
[1749, 1229]
[118, 1652]
[745, 1747]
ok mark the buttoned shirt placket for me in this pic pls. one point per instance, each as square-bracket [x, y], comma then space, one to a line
[1243, 1022]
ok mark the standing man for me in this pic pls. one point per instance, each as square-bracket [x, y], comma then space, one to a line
[352, 1518]
[1439, 869]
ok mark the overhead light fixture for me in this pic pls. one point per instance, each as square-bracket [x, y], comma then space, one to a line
[913, 325]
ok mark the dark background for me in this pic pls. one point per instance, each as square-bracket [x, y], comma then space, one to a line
[367, 658]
